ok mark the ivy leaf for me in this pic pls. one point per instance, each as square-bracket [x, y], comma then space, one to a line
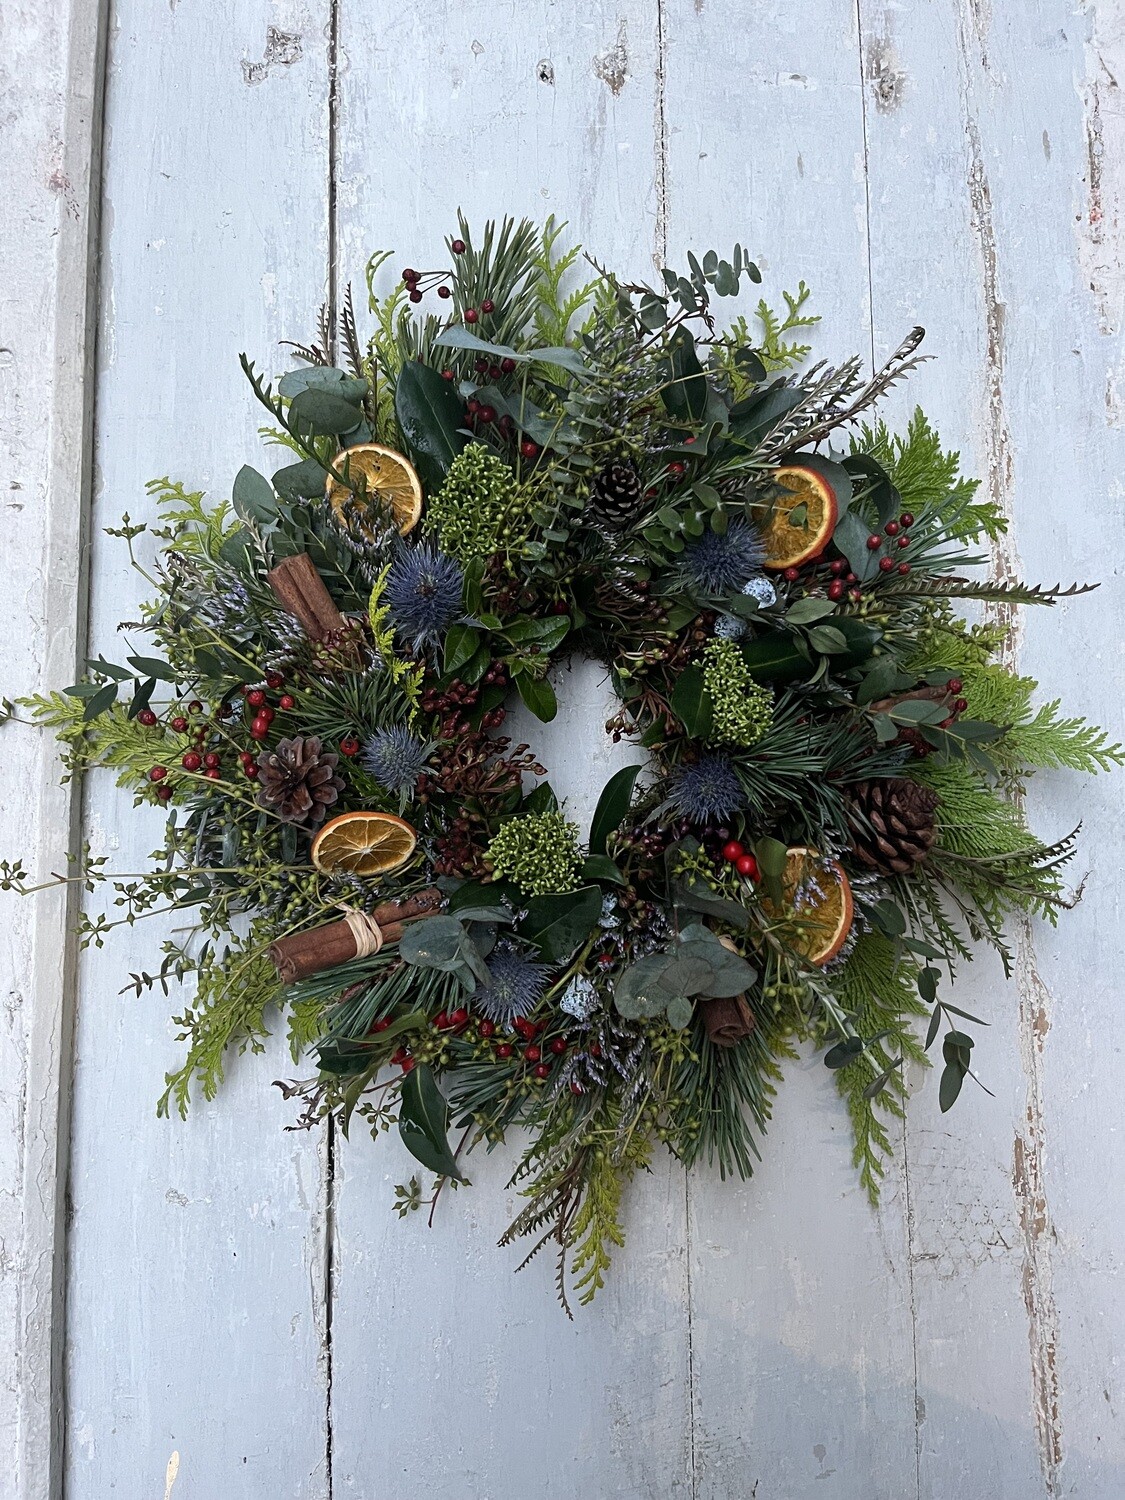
[613, 804]
[423, 1123]
[430, 414]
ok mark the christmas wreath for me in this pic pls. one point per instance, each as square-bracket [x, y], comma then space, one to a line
[829, 816]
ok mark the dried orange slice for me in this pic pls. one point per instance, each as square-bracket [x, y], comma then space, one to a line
[801, 519]
[387, 474]
[817, 910]
[363, 843]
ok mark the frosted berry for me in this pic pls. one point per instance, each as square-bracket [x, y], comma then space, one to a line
[791, 575]
[954, 685]
[532, 1053]
[541, 1070]
[904, 568]
[505, 1049]
[212, 760]
[558, 1046]
[164, 792]
[892, 528]
[960, 705]
[488, 305]
[886, 564]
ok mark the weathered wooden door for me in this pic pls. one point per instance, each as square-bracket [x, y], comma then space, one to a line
[242, 1296]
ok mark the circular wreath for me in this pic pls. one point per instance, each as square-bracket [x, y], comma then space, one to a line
[534, 469]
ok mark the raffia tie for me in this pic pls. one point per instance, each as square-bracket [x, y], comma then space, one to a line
[366, 931]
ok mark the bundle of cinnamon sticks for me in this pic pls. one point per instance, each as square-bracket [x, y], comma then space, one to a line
[318, 948]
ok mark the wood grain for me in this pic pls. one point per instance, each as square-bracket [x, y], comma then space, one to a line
[957, 164]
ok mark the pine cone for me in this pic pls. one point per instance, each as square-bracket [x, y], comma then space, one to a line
[615, 496]
[893, 826]
[298, 780]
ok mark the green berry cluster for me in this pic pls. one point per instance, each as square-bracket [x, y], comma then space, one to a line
[478, 509]
[743, 708]
[539, 852]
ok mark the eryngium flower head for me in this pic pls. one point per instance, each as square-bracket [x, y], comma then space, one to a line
[423, 593]
[707, 789]
[395, 757]
[718, 564]
[515, 986]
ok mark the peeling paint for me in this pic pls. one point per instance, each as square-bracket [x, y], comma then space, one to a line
[885, 75]
[612, 67]
[545, 70]
[660, 140]
[1099, 242]
[283, 49]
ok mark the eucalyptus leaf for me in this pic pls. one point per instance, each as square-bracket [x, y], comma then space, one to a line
[320, 413]
[253, 496]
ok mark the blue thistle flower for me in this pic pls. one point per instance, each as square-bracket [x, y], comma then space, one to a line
[423, 593]
[707, 789]
[717, 564]
[515, 986]
[395, 757]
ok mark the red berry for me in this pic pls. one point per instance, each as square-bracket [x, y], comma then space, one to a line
[906, 518]
[256, 698]
[487, 305]
[399, 1055]
[158, 773]
[444, 293]
[213, 775]
[960, 705]
[541, 1070]
[891, 528]
[146, 717]
[904, 541]
[382, 1025]
[874, 542]
[837, 567]
[595, 1049]
[558, 1046]
[487, 1029]
[408, 1065]
[415, 295]
[733, 852]
[886, 564]
[195, 707]
[836, 589]
[576, 1087]
[904, 568]
[252, 772]
[246, 757]
[164, 792]
[954, 685]
[505, 1049]
[529, 449]
[676, 467]
[471, 315]
[748, 866]
[274, 680]
[259, 729]
[441, 1020]
[459, 1016]
[212, 760]
[474, 406]
[447, 375]
[507, 364]
[532, 1053]
[349, 745]
[488, 414]
[791, 575]
[410, 274]
[458, 247]
[267, 714]
[689, 440]
[179, 725]
[855, 595]
[287, 701]
[494, 372]
[850, 578]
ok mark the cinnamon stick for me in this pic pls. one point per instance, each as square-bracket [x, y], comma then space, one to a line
[301, 592]
[727, 1021]
[318, 948]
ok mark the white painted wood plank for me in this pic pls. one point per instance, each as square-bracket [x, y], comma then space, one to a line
[474, 1376]
[975, 134]
[801, 1326]
[196, 1251]
[50, 66]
